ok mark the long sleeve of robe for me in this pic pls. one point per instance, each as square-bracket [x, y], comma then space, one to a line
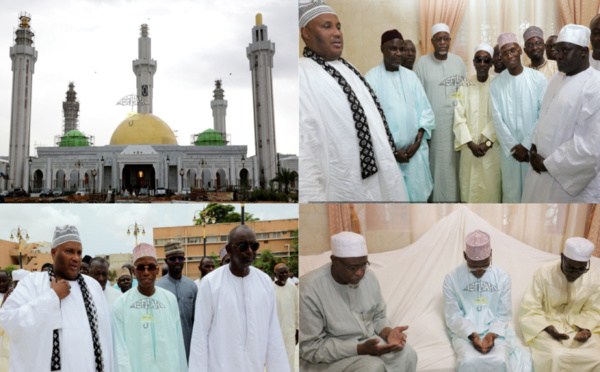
[236, 327]
[407, 110]
[147, 332]
[516, 102]
[568, 137]
[441, 80]
[480, 178]
[551, 300]
[287, 312]
[32, 312]
[329, 150]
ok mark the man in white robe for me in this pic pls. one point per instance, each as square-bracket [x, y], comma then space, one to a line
[534, 48]
[206, 266]
[344, 326]
[560, 312]
[480, 177]
[346, 149]
[516, 99]
[595, 41]
[477, 299]
[236, 326]
[565, 153]
[98, 269]
[56, 305]
[408, 114]
[441, 73]
[286, 295]
[147, 327]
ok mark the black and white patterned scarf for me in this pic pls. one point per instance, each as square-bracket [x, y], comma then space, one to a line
[367, 156]
[92, 315]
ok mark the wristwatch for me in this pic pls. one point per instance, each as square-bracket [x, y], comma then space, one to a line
[489, 144]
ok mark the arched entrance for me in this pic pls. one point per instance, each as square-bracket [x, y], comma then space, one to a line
[244, 177]
[73, 180]
[137, 176]
[206, 178]
[221, 179]
[60, 179]
[38, 180]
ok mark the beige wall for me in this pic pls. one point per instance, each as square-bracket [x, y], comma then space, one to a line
[363, 22]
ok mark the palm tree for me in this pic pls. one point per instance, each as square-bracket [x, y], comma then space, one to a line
[284, 178]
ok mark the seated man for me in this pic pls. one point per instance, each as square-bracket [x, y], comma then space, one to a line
[477, 310]
[344, 326]
[560, 312]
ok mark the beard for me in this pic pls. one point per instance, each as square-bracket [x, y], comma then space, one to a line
[353, 286]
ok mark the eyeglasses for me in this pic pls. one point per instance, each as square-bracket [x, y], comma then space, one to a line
[355, 268]
[176, 259]
[442, 38]
[531, 45]
[571, 270]
[484, 60]
[243, 246]
[142, 268]
[512, 52]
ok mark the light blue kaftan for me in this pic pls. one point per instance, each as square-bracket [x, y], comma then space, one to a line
[406, 110]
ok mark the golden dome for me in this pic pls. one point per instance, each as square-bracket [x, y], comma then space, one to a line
[143, 129]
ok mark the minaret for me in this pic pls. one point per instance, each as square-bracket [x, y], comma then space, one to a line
[219, 108]
[23, 56]
[144, 68]
[71, 109]
[260, 54]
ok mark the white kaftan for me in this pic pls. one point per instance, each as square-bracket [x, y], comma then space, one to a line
[482, 305]
[441, 80]
[551, 300]
[287, 312]
[111, 296]
[594, 62]
[32, 313]
[406, 110]
[568, 137]
[516, 102]
[480, 178]
[236, 326]
[329, 151]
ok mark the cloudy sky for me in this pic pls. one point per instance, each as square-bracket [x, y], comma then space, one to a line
[93, 44]
[103, 228]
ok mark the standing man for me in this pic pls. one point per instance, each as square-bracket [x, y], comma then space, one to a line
[534, 48]
[4, 283]
[124, 279]
[129, 267]
[497, 61]
[480, 177]
[565, 153]
[286, 295]
[560, 312]
[333, 300]
[184, 289]
[236, 311]
[516, 98]
[477, 308]
[411, 55]
[207, 265]
[146, 322]
[550, 51]
[346, 147]
[58, 320]
[595, 41]
[408, 113]
[441, 73]
[99, 271]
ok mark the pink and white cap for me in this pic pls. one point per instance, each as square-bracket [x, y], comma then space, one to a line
[574, 34]
[478, 245]
[507, 38]
[578, 249]
[143, 250]
[440, 27]
[348, 244]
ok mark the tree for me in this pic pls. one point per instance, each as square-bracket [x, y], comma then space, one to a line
[293, 260]
[9, 269]
[266, 262]
[223, 213]
[284, 178]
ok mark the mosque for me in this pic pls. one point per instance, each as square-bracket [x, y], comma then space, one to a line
[143, 151]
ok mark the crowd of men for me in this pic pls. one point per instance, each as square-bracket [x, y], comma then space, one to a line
[344, 326]
[423, 131]
[234, 318]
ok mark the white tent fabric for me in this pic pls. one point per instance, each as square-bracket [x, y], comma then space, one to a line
[411, 281]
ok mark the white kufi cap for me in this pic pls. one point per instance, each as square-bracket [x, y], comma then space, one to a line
[440, 27]
[311, 9]
[578, 249]
[486, 48]
[348, 244]
[574, 34]
[65, 234]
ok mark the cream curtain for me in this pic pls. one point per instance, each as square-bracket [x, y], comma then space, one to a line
[593, 229]
[579, 12]
[450, 12]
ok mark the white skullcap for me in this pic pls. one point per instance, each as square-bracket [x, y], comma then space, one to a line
[507, 38]
[311, 9]
[440, 27]
[574, 34]
[65, 234]
[478, 245]
[578, 249]
[486, 48]
[19, 274]
[348, 244]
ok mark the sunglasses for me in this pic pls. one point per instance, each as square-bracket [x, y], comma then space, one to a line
[142, 268]
[243, 246]
[570, 269]
[176, 259]
[484, 60]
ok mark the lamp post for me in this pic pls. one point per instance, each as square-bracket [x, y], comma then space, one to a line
[94, 173]
[205, 218]
[136, 231]
[18, 234]
[30, 161]
[202, 175]
[102, 173]
[78, 173]
[167, 173]
[6, 184]
[181, 173]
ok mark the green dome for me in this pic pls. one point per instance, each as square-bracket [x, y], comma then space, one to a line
[74, 138]
[210, 137]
